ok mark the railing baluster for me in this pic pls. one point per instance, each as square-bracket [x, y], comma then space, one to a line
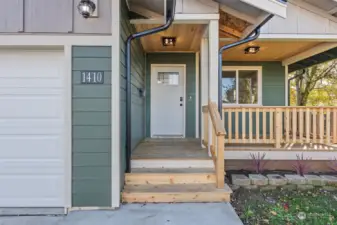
[271, 126]
[237, 126]
[243, 127]
[220, 163]
[294, 124]
[250, 117]
[278, 128]
[327, 124]
[307, 125]
[314, 125]
[334, 125]
[287, 121]
[230, 129]
[264, 125]
[321, 126]
[301, 125]
[257, 126]
[206, 117]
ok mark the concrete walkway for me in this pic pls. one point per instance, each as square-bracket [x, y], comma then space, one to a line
[135, 214]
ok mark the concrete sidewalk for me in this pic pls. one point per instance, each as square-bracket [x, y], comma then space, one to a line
[135, 214]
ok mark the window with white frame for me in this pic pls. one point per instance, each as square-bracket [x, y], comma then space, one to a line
[241, 85]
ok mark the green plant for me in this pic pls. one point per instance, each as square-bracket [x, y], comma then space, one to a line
[258, 161]
[301, 166]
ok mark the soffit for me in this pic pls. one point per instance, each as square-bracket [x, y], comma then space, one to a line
[269, 51]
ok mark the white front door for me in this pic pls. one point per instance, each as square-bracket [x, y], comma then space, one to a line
[167, 101]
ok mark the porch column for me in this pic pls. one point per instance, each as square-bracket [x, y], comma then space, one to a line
[204, 80]
[213, 59]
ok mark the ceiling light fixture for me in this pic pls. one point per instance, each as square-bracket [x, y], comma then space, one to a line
[252, 50]
[86, 8]
[169, 41]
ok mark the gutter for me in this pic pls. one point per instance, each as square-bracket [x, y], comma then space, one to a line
[169, 20]
[250, 37]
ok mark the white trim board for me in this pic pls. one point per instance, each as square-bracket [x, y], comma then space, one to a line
[181, 18]
[184, 93]
[281, 155]
[172, 163]
[115, 100]
[259, 77]
[56, 40]
[308, 53]
[197, 107]
[293, 37]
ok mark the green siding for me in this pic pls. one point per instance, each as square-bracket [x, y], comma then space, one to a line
[273, 90]
[174, 58]
[137, 82]
[91, 129]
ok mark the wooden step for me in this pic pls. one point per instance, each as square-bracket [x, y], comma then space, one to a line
[172, 163]
[176, 193]
[169, 178]
[173, 170]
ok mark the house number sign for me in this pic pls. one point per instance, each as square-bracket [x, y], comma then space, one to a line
[92, 77]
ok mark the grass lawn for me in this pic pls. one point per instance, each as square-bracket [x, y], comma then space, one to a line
[314, 207]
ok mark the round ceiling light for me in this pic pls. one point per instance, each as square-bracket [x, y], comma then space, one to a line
[86, 8]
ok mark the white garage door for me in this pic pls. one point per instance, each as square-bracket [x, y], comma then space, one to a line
[31, 129]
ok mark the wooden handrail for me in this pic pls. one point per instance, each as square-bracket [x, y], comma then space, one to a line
[216, 140]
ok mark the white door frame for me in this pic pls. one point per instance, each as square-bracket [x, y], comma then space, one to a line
[153, 66]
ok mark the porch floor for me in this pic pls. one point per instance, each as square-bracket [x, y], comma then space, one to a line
[170, 149]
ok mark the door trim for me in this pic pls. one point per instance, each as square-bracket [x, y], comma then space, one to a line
[153, 66]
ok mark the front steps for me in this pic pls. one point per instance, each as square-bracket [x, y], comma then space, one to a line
[173, 185]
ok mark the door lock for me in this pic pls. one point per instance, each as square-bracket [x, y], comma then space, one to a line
[181, 99]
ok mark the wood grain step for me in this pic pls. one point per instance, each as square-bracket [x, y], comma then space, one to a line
[176, 193]
[173, 170]
[169, 178]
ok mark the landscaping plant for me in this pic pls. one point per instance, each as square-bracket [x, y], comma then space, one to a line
[258, 161]
[300, 166]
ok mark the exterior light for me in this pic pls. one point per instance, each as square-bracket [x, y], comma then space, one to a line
[252, 50]
[86, 8]
[169, 41]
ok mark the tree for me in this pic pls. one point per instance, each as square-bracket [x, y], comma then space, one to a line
[317, 85]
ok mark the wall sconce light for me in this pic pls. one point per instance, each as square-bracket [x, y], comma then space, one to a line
[252, 50]
[169, 41]
[87, 8]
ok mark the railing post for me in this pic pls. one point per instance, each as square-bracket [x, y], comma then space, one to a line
[205, 118]
[278, 128]
[220, 162]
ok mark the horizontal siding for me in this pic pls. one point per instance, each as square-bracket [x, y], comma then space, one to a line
[91, 131]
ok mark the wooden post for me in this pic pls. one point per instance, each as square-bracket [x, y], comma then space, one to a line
[278, 128]
[257, 128]
[243, 125]
[287, 122]
[301, 120]
[236, 126]
[307, 125]
[271, 126]
[205, 117]
[314, 126]
[294, 130]
[220, 163]
[321, 126]
[250, 128]
[230, 128]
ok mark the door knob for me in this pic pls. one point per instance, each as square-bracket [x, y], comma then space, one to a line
[181, 104]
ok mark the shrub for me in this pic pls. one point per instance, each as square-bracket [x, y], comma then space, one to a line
[300, 166]
[258, 161]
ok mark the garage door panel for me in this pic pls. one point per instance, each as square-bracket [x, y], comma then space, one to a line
[26, 147]
[37, 191]
[31, 107]
[32, 160]
[34, 167]
[30, 83]
[16, 92]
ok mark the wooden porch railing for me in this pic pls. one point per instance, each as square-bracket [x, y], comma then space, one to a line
[215, 138]
[277, 125]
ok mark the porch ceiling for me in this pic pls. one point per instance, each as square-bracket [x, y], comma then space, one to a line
[269, 51]
[188, 38]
